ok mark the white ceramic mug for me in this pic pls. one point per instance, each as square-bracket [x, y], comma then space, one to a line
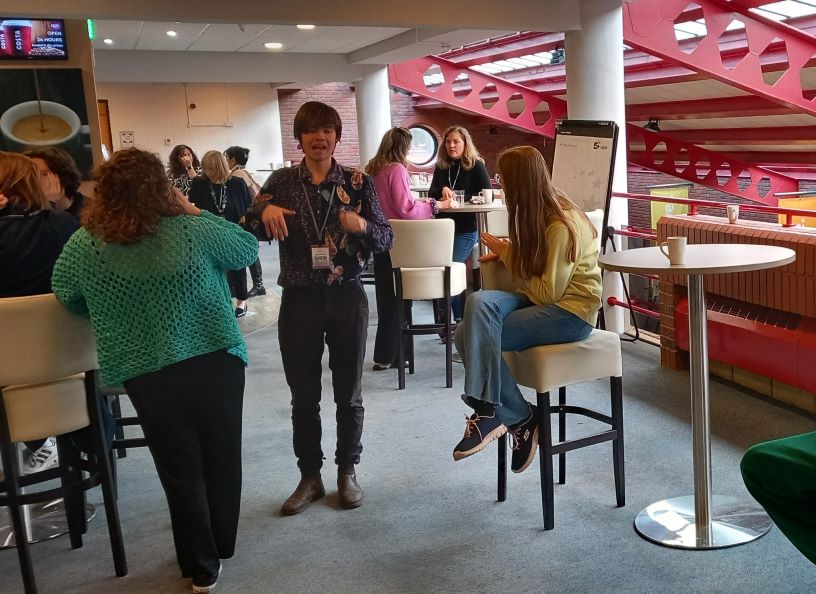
[17, 112]
[733, 213]
[487, 195]
[676, 247]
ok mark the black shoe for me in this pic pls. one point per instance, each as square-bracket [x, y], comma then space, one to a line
[206, 583]
[256, 290]
[240, 312]
[525, 441]
[479, 431]
[380, 367]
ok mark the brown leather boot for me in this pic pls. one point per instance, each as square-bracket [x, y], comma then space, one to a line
[348, 490]
[310, 488]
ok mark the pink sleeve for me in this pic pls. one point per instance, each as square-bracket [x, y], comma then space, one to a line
[404, 203]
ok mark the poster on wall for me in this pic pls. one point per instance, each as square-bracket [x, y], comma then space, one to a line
[45, 107]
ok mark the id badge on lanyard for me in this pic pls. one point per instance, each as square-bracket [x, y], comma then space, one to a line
[321, 256]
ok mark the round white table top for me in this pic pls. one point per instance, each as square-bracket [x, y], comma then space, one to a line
[704, 258]
[472, 208]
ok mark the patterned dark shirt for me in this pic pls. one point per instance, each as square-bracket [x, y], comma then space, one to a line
[349, 252]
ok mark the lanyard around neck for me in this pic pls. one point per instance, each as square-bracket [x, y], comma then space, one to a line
[455, 179]
[320, 229]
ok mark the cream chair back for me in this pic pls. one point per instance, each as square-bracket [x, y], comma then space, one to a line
[497, 223]
[596, 218]
[44, 352]
[422, 244]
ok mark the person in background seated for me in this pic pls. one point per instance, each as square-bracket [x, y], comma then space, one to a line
[59, 178]
[182, 168]
[554, 254]
[459, 166]
[237, 157]
[148, 268]
[32, 235]
[327, 221]
[390, 178]
[227, 197]
[781, 475]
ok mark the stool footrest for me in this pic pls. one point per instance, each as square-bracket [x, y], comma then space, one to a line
[136, 442]
[574, 444]
[580, 410]
[128, 421]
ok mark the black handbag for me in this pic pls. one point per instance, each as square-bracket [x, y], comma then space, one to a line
[252, 223]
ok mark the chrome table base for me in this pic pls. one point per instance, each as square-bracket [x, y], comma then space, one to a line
[44, 521]
[671, 523]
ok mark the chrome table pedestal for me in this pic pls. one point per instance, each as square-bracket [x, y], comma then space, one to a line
[43, 521]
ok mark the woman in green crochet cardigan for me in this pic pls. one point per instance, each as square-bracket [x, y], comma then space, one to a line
[149, 269]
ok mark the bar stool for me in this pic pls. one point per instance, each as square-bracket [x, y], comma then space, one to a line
[48, 387]
[421, 257]
[546, 367]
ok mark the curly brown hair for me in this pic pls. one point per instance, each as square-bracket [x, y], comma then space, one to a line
[132, 195]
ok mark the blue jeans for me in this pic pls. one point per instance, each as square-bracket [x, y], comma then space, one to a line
[497, 321]
[462, 247]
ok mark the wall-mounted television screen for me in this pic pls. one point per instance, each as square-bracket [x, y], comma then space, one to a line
[32, 39]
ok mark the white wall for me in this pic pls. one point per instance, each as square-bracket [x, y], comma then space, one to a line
[158, 111]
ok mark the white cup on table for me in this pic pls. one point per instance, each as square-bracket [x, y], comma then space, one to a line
[487, 195]
[733, 213]
[675, 250]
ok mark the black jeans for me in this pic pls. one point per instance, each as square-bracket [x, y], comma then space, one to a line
[237, 283]
[190, 413]
[385, 344]
[338, 316]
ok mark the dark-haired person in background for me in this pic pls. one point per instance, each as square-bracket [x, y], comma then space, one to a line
[60, 178]
[328, 221]
[165, 328]
[182, 168]
[237, 157]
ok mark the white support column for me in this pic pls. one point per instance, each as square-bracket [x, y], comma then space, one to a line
[373, 112]
[595, 91]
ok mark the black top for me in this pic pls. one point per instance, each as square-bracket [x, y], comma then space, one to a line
[78, 201]
[471, 181]
[347, 189]
[30, 243]
[229, 201]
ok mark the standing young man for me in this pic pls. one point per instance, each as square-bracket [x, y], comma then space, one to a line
[328, 221]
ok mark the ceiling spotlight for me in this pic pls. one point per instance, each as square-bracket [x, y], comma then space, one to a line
[653, 125]
[273, 45]
[107, 41]
[558, 56]
[305, 27]
[171, 33]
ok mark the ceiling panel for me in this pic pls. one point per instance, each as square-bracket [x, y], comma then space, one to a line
[124, 34]
[697, 89]
[226, 37]
[154, 36]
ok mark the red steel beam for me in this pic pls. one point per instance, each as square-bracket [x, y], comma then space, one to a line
[649, 26]
[777, 160]
[774, 135]
[410, 76]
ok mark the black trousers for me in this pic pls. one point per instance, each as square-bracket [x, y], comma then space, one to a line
[237, 283]
[336, 315]
[256, 272]
[190, 413]
[385, 344]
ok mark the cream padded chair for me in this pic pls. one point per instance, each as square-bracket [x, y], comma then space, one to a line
[557, 366]
[48, 387]
[422, 259]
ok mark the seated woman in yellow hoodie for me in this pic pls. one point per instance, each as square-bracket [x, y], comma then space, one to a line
[553, 253]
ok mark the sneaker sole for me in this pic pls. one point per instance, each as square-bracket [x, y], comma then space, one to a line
[532, 455]
[492, 436]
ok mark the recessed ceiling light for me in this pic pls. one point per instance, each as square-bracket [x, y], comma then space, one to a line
[171, 33]
[273, 45]
[107, 41]
[305, 27]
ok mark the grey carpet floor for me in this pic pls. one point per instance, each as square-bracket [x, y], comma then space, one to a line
[429, 524]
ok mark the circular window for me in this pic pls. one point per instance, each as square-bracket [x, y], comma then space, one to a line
[423, 146]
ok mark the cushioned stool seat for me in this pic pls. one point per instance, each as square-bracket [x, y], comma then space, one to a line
[429, 283]
[552, 366]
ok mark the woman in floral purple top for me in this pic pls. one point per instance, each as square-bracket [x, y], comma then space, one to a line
[390, 176]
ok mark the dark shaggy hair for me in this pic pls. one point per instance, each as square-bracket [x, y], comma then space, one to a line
[174, 166]
[132, 195]
[62, 165]
[314, 115]
[239, 154]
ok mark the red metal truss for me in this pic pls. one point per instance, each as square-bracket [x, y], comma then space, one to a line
[682, 159]
[649, 26]
[661, 152]
[410, 76]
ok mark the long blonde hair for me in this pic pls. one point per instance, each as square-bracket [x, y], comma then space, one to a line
[394, 148]
[20, 182]
[469, 156]
[532, 205]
